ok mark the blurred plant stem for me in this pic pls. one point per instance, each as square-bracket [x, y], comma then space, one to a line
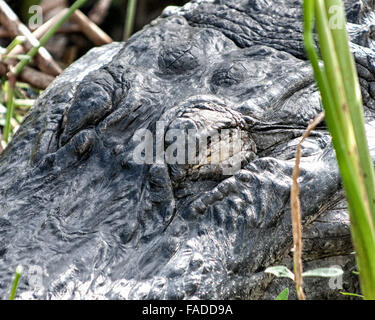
[130, 17]
[9, 88]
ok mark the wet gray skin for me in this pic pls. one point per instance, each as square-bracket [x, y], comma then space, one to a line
[86, 221]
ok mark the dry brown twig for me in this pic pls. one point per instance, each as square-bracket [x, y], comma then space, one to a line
[15, 27]
[296, 211]
[36, 79]
[41, 80]
[50, 5]
[40, 32]
[83, 24]
[4, 33]
[90, 29]
[99, 12]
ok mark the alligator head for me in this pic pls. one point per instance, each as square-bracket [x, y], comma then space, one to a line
[90, 212]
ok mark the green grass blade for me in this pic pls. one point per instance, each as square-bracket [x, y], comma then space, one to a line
[337, 24]
[130, 17]
[16, 41]
[16, 280]
[9, 88]
[352, 294]
[334, 98]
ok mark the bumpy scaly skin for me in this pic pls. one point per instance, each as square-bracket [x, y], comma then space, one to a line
[86, 221]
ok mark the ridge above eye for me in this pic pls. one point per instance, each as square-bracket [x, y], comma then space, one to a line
[90, 105]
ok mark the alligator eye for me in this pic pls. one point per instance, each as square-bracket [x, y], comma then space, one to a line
[177, 60]
[228, 77]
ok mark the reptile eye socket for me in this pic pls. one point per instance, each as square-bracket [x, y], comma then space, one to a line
[177, 60]
[226, 78]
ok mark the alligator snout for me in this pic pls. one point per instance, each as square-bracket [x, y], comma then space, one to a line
[161, 168]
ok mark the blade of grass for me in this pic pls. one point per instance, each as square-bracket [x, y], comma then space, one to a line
[16, 41]
[16, 280]
[352, 294]
[23, 85]
[338, 120]
[337, 23]
[9, 89]
[130, 16]
[362, 225]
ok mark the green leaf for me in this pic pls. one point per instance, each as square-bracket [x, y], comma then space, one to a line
[324, 272]
[16, 280]
[129, 23]
[283, 295]
[352, 294]
[280, 272]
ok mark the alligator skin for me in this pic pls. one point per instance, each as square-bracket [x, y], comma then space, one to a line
[87, 221]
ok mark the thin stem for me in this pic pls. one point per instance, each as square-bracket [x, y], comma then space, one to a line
[130, 16]
[337, 23]
[16, 41]
[10, 107]
[19, 67]
[296, 212]
[16, 280]
[334, 92]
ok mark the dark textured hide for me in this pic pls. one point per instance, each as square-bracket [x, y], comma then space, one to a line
[88, 222]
